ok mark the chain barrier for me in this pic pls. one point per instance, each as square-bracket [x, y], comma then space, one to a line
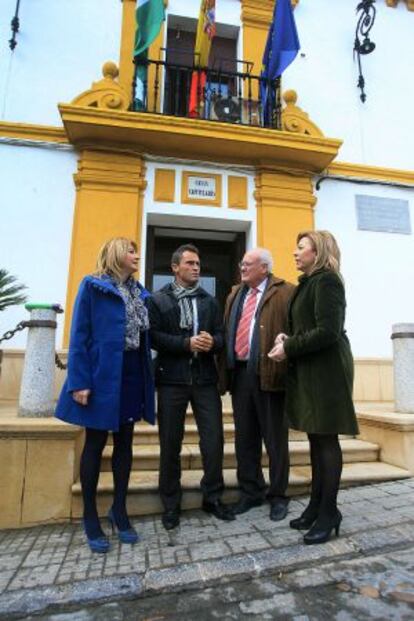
[10, 333]
[22, 325]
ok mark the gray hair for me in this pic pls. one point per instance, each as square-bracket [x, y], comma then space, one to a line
[265, 257]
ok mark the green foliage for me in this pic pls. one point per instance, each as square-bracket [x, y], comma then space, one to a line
[11, 292]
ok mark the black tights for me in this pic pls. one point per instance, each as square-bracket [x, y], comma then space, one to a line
[326, 460]
[90, 465]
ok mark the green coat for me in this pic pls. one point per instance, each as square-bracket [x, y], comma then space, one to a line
[320, 364]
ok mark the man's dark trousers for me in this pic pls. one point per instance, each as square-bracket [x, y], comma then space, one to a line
[172, 405]
[259, 414]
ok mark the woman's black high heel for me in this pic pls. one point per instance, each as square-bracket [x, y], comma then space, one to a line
[321, 531]
[305, 521]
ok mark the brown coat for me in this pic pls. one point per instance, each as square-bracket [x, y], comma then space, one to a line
[272, 320]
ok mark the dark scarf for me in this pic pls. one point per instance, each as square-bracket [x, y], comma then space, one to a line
[183, 295]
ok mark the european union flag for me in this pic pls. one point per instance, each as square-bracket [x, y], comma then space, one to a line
[281, 49]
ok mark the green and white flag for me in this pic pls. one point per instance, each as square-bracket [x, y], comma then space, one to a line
[150, 15]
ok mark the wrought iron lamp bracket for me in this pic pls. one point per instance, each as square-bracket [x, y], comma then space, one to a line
[363, 44]
[15, 25]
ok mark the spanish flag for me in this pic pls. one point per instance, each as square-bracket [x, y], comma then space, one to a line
[206, 29]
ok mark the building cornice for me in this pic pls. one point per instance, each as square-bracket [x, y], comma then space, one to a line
[26, 131]
[362, 172]
[183, 137]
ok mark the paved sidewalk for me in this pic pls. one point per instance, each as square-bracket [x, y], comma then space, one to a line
[50, 570]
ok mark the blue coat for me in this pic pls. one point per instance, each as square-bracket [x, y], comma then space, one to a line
[96, 355]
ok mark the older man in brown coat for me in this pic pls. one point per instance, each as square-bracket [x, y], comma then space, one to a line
[256, 312]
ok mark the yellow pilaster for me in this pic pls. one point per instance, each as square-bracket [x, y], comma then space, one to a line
[285, 206]
[126, 54]
[109, 198]
[256, 17]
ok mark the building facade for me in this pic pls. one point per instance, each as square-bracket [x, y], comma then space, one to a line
[80, 164]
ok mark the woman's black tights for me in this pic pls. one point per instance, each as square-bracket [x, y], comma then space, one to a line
[90, 465]
[326, 460]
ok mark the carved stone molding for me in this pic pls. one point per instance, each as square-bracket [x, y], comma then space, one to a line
[105, 93]
[294, 119]
[394, 3]
[259, 13]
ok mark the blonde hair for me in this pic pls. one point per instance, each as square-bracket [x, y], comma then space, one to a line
[111, 256]
[328, 255]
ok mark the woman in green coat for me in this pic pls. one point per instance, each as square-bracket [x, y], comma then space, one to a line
[320, 376]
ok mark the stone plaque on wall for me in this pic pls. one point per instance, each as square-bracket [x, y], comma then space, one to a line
[383, 215]
[201, 188]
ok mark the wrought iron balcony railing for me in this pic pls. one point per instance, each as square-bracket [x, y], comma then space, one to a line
[232, 97]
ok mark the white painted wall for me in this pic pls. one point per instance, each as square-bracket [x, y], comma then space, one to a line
[380, 131]
[36, 206]
[378, 267]
[61, 48]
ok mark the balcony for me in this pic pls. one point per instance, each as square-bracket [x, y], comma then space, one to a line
[224, 123]
[208, 94]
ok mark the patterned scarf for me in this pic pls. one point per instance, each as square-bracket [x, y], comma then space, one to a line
[136, 312]
[183, 295]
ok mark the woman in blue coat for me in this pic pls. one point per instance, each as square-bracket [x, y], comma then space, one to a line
[109, 385]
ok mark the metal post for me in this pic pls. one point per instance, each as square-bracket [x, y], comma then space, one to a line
[403, 346]
[37, 388]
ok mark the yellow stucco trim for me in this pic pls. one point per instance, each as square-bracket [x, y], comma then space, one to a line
[106, 93]
[393, 3]
[164, 185]
[189, 138]
[126, 66]
[377, 173]
[237, 192]
[285, 205]
[26, 131]
[109, 202]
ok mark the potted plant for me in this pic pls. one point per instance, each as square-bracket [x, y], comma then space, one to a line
[11, 294]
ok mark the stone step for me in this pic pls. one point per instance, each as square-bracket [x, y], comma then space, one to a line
[147, 457]
[145, 434]
[143, 498]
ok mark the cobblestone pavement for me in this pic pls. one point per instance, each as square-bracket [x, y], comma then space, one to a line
[247, 569]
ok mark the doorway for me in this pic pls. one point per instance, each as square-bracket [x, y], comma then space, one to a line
[220, 254]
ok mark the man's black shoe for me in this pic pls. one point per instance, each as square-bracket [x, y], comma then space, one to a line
[219, 510]
[278, 511]
[171, 519]
[245, 504]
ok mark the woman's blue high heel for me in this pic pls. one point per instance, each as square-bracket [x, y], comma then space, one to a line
[99, 544]
[129, 535]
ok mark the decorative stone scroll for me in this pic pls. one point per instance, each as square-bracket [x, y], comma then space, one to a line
[394, 3]
[105, 93]
[294, 119]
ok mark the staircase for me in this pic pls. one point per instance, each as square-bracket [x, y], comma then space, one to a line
[361, 465]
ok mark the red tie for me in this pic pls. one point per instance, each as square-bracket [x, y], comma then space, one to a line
[243, 330]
